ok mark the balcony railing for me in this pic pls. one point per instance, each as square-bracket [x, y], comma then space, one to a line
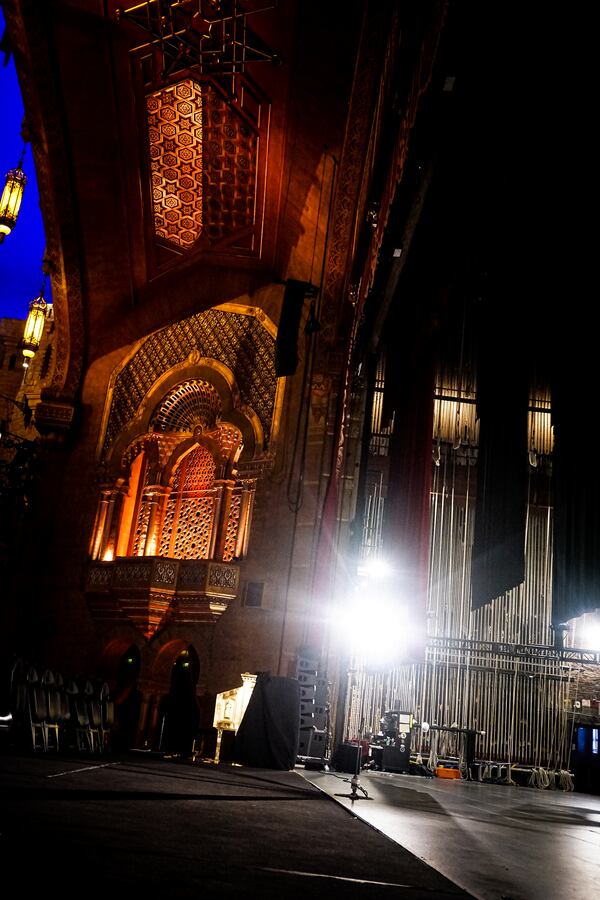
[149, 591]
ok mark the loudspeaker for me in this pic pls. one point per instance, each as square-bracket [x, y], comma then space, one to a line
[286, 344]
[347, 758]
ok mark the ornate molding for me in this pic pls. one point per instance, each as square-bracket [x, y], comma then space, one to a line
[223, 579]
[237, 341]
[53, 419]
[349, 184]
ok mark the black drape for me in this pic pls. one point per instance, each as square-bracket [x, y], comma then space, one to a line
[498, 562]
[576, 486]
[268, 735]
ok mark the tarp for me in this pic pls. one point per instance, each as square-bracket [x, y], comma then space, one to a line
[268, 735]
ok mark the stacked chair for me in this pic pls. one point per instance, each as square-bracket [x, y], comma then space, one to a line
[38, 710]
[55, 711]
[107, 708]
[81, 727]
[49, 715]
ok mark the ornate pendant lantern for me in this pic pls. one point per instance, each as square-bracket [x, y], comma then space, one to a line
[10, 202]
[34, 327]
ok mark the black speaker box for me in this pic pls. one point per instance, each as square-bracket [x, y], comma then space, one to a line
[347, 758]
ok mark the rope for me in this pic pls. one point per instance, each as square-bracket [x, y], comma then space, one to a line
[565, 780]
[433, 755]
[539, 778]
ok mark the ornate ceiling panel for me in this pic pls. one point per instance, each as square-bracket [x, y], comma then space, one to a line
[230, 170]
[175, 137]
[203, 165]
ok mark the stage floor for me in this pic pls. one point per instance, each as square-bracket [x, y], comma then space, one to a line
[497, 842]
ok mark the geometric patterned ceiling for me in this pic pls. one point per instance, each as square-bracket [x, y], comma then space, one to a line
[203, 162]
[175, 136]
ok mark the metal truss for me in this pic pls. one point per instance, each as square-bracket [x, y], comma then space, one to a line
[531, 652]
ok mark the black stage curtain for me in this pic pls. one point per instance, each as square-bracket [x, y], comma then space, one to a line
[498, 562]
[576, 585]
[410, 382]
[268, 735]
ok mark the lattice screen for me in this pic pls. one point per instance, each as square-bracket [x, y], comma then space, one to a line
[175, 138]
[189, 404]
[189, 518]
[233, 524]
[203, 158]
[194, 528]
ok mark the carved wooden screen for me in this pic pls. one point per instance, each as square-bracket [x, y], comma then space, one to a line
[189, 517]
[232, 527]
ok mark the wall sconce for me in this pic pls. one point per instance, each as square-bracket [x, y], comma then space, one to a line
[10, 202]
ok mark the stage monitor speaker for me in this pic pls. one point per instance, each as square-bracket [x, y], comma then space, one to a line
[347, 758]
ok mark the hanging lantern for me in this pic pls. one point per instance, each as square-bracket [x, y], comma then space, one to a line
[10, 202]
[34, 327]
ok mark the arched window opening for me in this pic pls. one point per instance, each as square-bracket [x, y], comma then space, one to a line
[180, 713]
[180, 494]
[127, 698]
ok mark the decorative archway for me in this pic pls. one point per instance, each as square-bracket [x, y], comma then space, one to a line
[179, 495]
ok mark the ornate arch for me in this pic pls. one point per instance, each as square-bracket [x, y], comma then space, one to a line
[233, 350]
[191, 405]
[148, 444]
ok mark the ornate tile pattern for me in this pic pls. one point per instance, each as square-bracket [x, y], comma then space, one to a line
[238, 341]
[203, 159]
[175, 138]
[188, 522]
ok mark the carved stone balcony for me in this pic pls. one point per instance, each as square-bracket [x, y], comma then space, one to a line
[150, 591]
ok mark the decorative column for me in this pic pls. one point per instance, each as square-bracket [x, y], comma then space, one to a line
[106, 526]
[99, 524]
[247, 505]
[224, 488]
[150, 519]
[112, 524]
[156, 496]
